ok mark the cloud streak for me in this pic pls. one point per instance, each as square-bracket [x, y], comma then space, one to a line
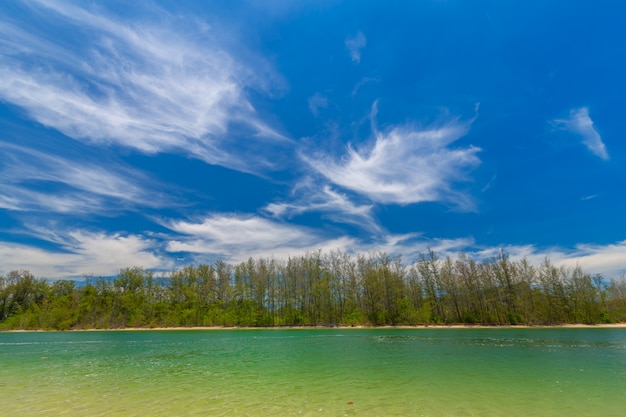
[147, 85]
[32, 180]
[579, 122]
[236, 237]
[338, 207]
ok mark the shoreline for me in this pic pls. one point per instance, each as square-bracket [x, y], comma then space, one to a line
[621, 325]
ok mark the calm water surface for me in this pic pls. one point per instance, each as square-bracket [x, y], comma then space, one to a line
[334, 372]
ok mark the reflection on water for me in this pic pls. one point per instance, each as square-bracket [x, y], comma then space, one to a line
[321, 372]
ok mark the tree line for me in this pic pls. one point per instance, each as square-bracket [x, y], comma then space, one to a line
[318, 289]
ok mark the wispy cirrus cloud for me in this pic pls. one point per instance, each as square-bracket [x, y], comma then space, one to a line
[405, 165]
[33, 180]
[160, 84]
[579, 122]
[310, 196]
[68, 202]
[355, 45]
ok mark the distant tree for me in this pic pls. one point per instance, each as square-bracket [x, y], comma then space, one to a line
[319, 289]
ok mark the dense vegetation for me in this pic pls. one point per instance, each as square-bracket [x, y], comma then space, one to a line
[318, 289]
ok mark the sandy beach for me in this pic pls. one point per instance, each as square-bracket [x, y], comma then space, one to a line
[430, 326]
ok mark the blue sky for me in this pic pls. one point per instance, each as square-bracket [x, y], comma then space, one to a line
[159, 134]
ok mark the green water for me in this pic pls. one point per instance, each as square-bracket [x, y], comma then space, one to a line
[334, 372]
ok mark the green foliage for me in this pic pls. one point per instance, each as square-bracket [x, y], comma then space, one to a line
[318, 289]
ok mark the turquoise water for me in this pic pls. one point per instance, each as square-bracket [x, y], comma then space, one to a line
[317, 372]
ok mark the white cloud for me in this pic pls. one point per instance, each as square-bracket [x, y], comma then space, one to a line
[411, 245]
[236, 238]
[580, 123]
[355, 44]
[405, 165]
[110, 251]
[154, 86]
[600, 259]
[607, 260]
[81, 253]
